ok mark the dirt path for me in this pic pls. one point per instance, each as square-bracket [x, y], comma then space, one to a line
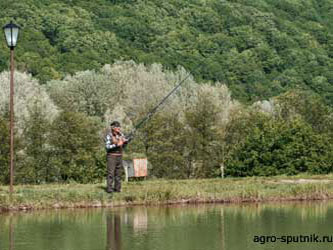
[301, 181]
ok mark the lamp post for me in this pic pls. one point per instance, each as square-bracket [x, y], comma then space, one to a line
[11, 31]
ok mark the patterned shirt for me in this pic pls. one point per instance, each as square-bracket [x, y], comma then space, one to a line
[112, 147]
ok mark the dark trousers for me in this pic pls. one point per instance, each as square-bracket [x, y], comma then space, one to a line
[115, 166]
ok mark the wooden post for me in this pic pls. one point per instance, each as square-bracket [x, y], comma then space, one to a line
[126, 171]
[222, 170]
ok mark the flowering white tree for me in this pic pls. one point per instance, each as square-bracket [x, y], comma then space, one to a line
[28, 95]
[219, 95]
[88, 92]
[143, 87]
[131, 90]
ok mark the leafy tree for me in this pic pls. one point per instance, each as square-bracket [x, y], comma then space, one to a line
[27, 92]
[277, 147]
[306, 105]
[165, 144]
[35, 164]
[202, 138]
[76, 143]
[88, 92]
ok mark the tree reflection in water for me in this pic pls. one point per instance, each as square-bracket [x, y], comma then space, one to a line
[11, 234]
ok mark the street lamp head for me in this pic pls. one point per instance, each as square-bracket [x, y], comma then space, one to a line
[11, 31]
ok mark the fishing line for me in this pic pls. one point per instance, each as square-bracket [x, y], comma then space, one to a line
[154, 110]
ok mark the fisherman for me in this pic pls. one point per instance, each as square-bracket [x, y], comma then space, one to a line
[114, 143]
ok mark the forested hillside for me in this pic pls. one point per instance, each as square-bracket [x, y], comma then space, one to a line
[259, 49]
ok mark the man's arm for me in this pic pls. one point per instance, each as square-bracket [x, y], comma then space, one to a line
[109, 144]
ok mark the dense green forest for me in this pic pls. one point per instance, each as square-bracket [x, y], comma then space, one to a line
[259, 49]
[258, 99]
[199, 131]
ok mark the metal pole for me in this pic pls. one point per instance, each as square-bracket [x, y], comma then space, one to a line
[11, 107]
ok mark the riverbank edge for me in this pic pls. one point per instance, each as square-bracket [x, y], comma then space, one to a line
[23, 208]
[168, 192]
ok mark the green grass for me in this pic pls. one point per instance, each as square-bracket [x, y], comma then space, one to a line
[153, 192]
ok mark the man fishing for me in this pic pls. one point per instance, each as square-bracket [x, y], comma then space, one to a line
[115, 141]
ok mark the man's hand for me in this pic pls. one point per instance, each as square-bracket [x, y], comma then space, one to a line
[120, 143]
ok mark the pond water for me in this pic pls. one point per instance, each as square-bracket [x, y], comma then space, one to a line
[200, 227]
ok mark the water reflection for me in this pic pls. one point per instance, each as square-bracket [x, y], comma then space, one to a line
[212, 227]
[134, 221]
[301, 210]
[11, 234]
[140, 220]
[113, 235]
[222, 230]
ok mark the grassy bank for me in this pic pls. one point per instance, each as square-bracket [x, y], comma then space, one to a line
[153, 192]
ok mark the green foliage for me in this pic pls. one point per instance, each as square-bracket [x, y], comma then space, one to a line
[27, 94]
[87, 92]
[4, 150]
[278, 147]
[308, 106]
[165, 145]
[259, 48]
[76, 144]
[202, 138]
[35, 165]
[196, 132]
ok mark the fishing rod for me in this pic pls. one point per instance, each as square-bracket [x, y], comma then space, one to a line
[154, 110]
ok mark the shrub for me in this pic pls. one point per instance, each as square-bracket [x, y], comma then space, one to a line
[279, 147]
[77, 148]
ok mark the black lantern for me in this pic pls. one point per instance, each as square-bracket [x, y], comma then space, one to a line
[11, 31]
